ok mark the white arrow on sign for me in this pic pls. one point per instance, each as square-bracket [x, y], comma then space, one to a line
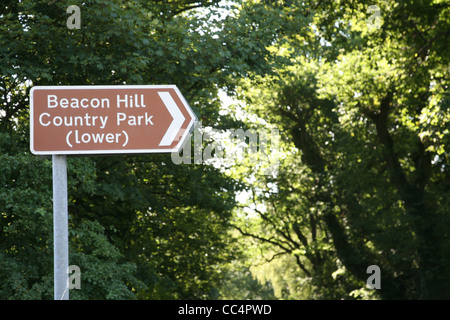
[177, 121]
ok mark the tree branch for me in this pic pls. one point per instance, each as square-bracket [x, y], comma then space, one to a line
[398, 177]
[278, 244]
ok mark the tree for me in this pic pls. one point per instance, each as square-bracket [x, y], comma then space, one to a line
[26, 241]
[140, 226]
[367, 112]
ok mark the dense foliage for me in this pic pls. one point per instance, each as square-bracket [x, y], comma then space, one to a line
[363, 162]
[365, 117]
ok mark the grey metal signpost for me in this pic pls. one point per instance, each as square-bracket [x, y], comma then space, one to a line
[60, 227]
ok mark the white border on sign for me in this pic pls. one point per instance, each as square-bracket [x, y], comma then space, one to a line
[112, 151]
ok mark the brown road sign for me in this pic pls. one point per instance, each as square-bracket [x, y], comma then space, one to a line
[108, 119]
